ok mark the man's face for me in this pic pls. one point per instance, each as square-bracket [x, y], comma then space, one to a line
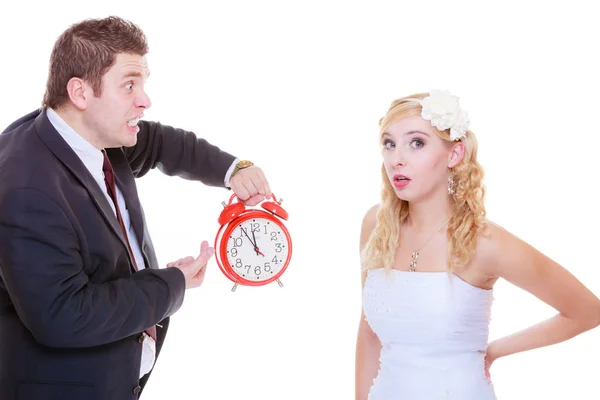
[114, 115]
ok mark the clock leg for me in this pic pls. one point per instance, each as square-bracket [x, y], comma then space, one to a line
[279, 282]
[234, 287]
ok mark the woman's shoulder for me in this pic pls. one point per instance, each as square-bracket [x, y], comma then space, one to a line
[493, 244]
[370, 217]
[368, 224]
[493, 235]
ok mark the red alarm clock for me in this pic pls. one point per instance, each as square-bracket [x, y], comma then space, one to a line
[253, 247]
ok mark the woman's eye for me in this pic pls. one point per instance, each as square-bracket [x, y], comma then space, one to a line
[417, 143]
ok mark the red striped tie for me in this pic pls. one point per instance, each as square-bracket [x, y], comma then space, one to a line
[109, 179]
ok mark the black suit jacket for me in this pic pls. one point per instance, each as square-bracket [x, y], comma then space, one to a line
[72, 308]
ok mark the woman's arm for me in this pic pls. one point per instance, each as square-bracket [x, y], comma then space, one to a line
[368, 346]
[522, 265]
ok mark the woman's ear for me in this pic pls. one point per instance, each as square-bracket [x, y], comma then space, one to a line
[457, 153]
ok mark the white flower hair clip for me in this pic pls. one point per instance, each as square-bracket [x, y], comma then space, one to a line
[442, 110]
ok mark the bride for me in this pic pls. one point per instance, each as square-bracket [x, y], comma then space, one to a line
[430, 260]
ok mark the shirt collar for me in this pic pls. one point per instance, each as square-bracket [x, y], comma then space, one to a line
[91, 157]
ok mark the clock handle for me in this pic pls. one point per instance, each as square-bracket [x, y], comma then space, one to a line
[232, 210]
[234, 196]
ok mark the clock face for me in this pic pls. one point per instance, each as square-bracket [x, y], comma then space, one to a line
[257, 249]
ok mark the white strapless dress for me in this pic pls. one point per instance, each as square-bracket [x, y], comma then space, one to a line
[434, 331]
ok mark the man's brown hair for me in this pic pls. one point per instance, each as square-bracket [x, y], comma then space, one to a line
[87, 50]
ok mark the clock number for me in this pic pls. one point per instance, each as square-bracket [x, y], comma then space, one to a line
[238, 263]
[257, 270]
[255, 227]
[265, 229]
[275, 260]
[234, 252]
[237, 242]
[267, 267]
[278, 247]
[273, 236]
[247, 268]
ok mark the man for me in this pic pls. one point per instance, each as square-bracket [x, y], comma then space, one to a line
[84, 307]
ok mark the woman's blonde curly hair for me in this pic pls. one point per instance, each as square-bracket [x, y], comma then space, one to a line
[465, 224]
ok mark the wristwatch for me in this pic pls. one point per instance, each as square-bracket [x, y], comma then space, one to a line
[241, 165]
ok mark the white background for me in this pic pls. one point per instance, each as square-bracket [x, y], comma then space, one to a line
[298, 88]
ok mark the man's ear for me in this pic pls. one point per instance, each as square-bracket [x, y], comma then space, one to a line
[79, 92]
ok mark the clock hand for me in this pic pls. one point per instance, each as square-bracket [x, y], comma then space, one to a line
[251, 242]
[255, 246]
[245, 233]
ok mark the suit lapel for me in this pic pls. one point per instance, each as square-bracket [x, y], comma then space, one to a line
[69, 159]
[126, 183]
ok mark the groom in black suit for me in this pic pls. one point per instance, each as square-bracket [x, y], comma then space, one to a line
[84, 307]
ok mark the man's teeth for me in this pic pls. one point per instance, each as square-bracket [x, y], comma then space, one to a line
[133, 122]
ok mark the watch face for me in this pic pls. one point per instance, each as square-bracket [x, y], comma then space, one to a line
[257, 249]
[244, 164]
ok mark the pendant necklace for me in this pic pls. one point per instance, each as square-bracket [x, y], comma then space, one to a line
[415, 253]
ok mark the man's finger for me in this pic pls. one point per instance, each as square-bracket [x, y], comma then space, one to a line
[239, 189]
[203, 246]
[250, 187]
[254, 200]
[258, 183]
[266, 190]
[204, 256]
[173, 263]
[186, 260]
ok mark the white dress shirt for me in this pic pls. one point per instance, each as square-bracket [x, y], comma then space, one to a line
[93, 159]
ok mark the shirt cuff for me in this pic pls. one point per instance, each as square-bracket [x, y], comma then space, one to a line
[229, 172]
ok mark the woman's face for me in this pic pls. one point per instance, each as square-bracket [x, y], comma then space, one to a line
[416, 159]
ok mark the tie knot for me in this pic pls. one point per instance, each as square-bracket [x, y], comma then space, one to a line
[106, 166]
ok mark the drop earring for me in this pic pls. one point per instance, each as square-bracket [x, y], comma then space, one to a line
[451, 183]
